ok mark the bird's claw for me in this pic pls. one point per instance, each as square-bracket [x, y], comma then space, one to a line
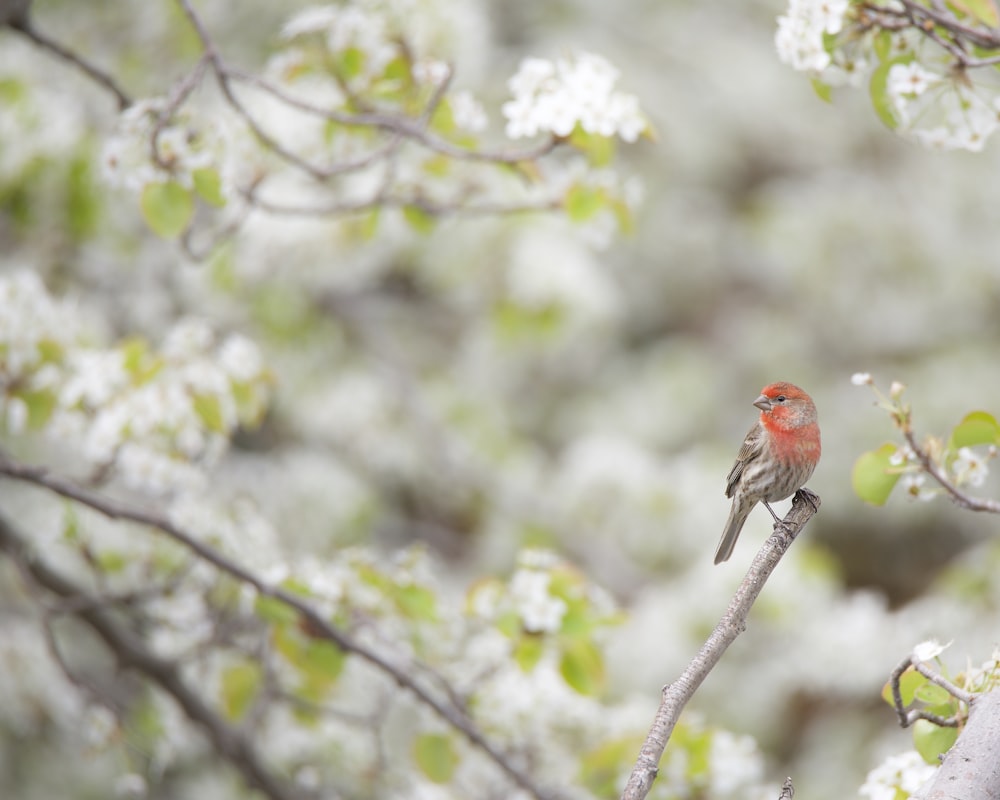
[807, 496]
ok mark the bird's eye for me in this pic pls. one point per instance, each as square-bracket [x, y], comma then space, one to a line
[780, 398]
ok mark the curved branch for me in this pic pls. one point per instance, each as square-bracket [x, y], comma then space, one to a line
[103, 79]
[966, 501]
[677, 694]
[131, 653]
[312, 621]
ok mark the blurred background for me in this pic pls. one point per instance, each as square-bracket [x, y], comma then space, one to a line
[502, 383]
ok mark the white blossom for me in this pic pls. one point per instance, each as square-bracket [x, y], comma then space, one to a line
[468, 112]
[932, 648]
[906, 772]
[969, 468]
[540, 612]
[909, 79]
[557, 96]
[861, 378]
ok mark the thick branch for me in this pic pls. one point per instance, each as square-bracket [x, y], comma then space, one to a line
[971, 769]
[677, 694]
[317, 625]
[132, 654]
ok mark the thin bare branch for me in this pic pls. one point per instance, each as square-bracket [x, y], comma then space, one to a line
[677, 694]
[966, 501]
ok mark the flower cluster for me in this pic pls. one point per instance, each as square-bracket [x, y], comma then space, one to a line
[555, 97]
[148, 416]
[916, 89]
[147, 148]
[904, 773]
[799, 39]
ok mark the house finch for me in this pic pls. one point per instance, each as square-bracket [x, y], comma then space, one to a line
[778, 456]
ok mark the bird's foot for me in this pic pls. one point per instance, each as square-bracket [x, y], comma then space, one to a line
[806, 496]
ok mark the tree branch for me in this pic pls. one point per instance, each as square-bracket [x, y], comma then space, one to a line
[971, 769]
[677, 694]
[24, 26]
[966, 501]
[312, 621]
[132, 654]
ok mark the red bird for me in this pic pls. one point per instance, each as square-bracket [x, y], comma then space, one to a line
[778, 456]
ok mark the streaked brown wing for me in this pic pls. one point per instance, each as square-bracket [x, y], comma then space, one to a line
[752, 447]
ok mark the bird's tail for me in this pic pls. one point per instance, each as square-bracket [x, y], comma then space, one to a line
[737, 516]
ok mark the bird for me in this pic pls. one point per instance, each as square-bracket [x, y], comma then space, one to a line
[778, 456]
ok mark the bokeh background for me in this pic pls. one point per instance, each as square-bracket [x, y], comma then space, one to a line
[501, 383]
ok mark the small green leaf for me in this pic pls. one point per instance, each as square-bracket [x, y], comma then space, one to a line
[167, 208]
[976, 428]
[209, 410]
[932, 741]
[601, 769]
[418, 219]
[882, 44]
[983, 11]
[110, 561]
[932, 694]
[40, 403]
[270, 609]
[872, 477]
[909, 683]
[879, 90]
[528, 651]
[240, 683]
[599, 150]
[352, 62]
[208, 185]
[582, 202]
[417, 602]
[436, 756]
[823, 90]
[582, 666]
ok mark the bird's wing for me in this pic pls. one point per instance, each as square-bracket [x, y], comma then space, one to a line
[753, 446]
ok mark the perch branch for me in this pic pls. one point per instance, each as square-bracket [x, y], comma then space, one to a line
[677, 694]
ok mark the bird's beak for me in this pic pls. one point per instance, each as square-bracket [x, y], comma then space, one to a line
[763, 403]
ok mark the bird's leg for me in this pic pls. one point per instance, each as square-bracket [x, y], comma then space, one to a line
[777, 519]
[809, 497]
[779, 523]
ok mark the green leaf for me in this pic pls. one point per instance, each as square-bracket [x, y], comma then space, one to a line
[879, 90]
[934, 695]
[208, 185]
[976, 428]
[882, 44]
[167, 208]
[872, 478]
[270, 609]
[351, 62]
[82, 200]
[516, 323]
[582, 202]
[40, 403]
[209, 410]
[909, 683]
[823, 90]
[418, 219]
[932, 741]
[318, 661]
[110, 561]
[529, 650]
[983, 11]
[599, 150]
[240, 684]
[582, 666]
[601, 769]
[417, 602]
[436, 756]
